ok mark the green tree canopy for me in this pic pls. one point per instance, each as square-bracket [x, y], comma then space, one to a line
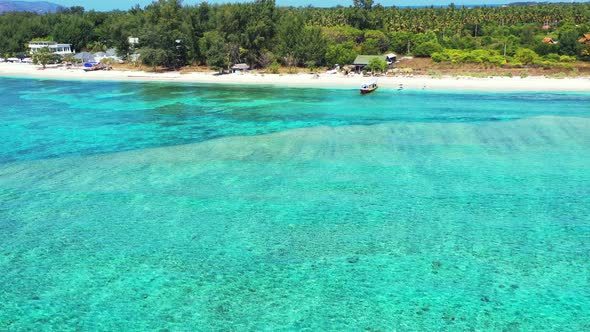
[152, 56]
[75, 30]
[43, 56]
[166, 32]
[427, 48]
[342, 54]
[258, 32]
[215, 50]
[568, 42]
[289, 37]
[377, 65]
[526, 56]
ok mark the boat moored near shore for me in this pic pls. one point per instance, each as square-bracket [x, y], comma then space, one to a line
[369, 86]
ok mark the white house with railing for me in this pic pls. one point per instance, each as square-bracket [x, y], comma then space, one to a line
[55, 48]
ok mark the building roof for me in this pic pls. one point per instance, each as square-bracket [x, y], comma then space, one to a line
[85, 56]
[363, 60]
[585, 39]
[46, 43]
[549, 40]
[240, 66]
[42, 42]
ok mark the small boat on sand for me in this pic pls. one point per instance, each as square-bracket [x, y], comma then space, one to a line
[96, 66]
[368, 87]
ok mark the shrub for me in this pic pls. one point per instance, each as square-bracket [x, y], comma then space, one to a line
[274, 68]
[434, 74]
[377, 65]
[482, 56]
[552, 57]
[545, 64]
[526, 56]
[497, 60]
[567, 66]
[439, 57]
[459, 56]
[266, 58]
[558, 76]
[467, 57]
[311, 65]
[426, 49]
[567, 58]
[490, 57]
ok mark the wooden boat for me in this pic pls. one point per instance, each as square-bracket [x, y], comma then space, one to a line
[368, 87]
[99, 66]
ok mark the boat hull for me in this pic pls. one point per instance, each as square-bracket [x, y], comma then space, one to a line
[366, 91]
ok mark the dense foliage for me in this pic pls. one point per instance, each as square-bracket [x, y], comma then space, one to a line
[261, 34]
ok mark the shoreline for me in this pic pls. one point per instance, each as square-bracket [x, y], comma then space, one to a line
[325, 81]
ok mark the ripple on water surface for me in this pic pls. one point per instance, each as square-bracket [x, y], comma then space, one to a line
[396, 226]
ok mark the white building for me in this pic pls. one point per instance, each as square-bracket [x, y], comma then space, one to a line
[61, 49]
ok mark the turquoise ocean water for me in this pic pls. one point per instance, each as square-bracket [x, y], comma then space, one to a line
[162, 207]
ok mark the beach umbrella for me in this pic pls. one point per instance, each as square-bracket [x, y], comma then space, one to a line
[100, 54]
[111, 52]
[85, 57]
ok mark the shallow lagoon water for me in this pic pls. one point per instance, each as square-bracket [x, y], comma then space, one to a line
[128, 206]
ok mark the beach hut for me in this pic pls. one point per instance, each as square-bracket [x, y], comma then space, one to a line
[85, 57]
[110, 54]
[362, 61]
[239, 67]
[391, 58]
[98, 56]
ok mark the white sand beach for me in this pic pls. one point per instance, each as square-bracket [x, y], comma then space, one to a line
[532, 83]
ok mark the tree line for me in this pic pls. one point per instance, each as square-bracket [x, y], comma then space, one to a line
[262, 34]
